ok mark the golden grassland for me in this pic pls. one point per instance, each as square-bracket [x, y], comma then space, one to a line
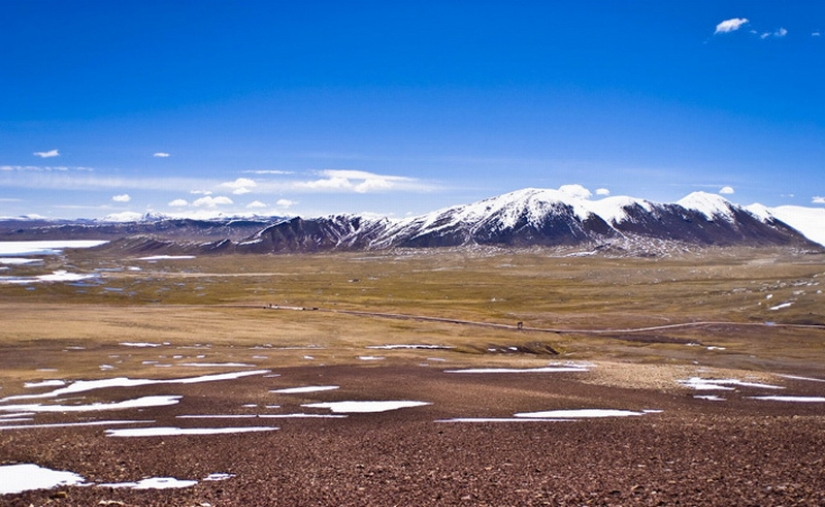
[586, 308]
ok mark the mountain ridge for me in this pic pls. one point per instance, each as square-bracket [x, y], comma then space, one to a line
[522, 218]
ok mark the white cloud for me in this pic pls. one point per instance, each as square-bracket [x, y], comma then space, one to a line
[212, 202]
[161, 154]
[575, 191]
[726, 190]
[602, 191]
[285, 203]
[818, 200]
[47, 154]
[816, 34]
[200, 192]
[179, 203]
[778, 34]
[255, 204]
[357, 181]
[730, 25]
[269, 171]
[122, 198]
[240, 186]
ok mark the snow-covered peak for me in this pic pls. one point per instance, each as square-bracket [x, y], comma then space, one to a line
[809, 221]
[613, 210]
[710, 205]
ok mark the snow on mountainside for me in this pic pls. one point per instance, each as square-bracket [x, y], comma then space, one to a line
[809, 221]
[567, 216]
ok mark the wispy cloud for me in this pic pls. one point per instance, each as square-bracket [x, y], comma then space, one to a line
[285, 203]
[122, 198]
[255, 205]
[730, 25]
[726, 190]
[200, 192]
[816, 34]
[47, 154]
[212, 202]
[818, 200]
[179, 203]
[240, 186]
[336, 180]
[779, 33]
[161, 154]
[268, 171]
[602, 191]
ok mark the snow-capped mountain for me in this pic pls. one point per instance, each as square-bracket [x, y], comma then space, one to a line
[527, 217]
[543, 217]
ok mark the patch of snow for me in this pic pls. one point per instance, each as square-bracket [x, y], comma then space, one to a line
[361, 407]
[797, 399]
[28, 477]
[305, 389]
[801, 378]
[60, 275]
[71, 425]
[45, 383]
[708, 397]
[499, 420]
[139, 344]
[218, 477]
[143, 402]
[18, 261]
[80, 386]
[371, 358]
[8, 248]
[705, 384]
[162, 431]
[584, 413]
[783, 305]
[152, 483]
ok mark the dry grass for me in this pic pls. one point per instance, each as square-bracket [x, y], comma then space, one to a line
[221, 301]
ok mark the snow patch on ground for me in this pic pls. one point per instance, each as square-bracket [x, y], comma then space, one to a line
[796, 399]
[61, 275]
[168, 431]
[80, 386]
[144, 402]
[362, 407]
[707, 384]
[584, 413]
[304, 389]
[152, 483]
[27, 477]
[44, 247]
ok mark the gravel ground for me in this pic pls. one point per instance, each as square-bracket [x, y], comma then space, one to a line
[740, 451]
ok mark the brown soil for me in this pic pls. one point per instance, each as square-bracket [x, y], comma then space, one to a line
[695, 452]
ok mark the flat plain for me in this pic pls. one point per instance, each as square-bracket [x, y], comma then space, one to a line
[418, 377]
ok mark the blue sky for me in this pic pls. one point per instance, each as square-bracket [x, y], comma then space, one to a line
[399, 108]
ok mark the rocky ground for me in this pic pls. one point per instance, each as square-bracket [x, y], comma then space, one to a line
[740, 451]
